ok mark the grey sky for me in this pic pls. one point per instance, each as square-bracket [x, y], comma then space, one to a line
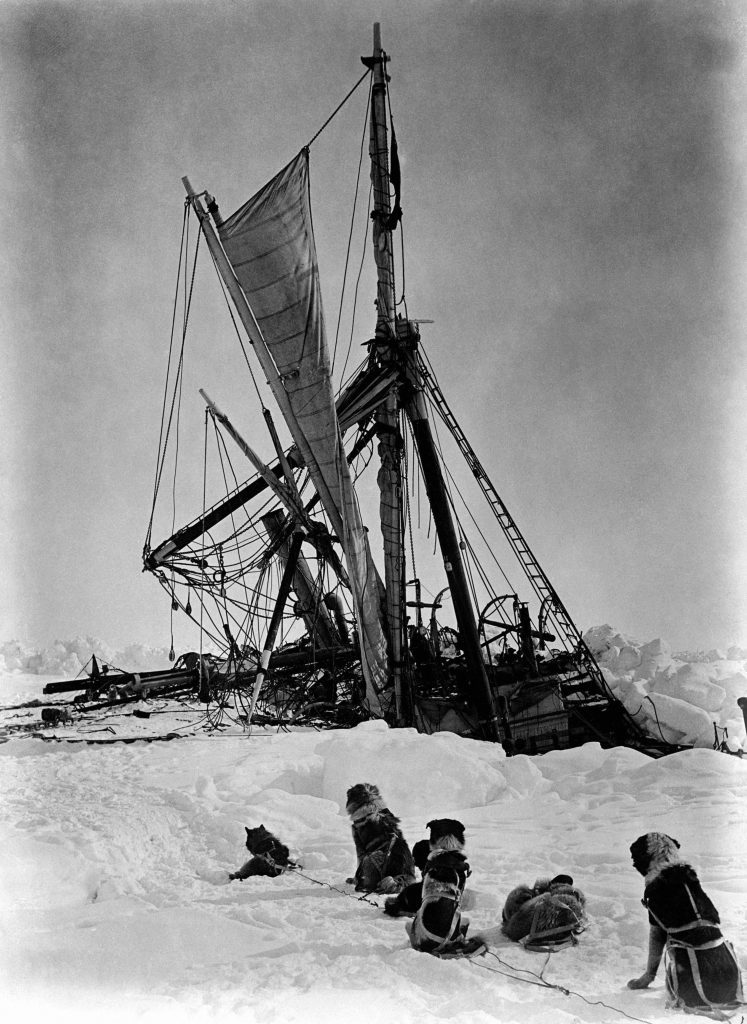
[573, 186]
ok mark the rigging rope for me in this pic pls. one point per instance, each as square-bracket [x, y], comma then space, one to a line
[448, 479]
[161, 452]
[338, 108]
[357, 286]
[230, 308]
[350, 233]
[402, 301]
[163, 439]
[431, 384]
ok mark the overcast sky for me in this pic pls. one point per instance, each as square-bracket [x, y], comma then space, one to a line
[574, 196]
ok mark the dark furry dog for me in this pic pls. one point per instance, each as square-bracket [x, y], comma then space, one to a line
[385, 862]
[271, 857]
[408, 901]
[701, 968]
[549, 914]
[438, 926]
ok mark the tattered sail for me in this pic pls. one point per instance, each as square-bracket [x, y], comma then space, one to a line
[270, 244]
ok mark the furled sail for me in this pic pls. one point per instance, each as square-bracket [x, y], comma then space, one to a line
[269, 242]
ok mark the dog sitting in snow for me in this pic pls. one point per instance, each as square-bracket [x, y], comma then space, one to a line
[549, 914]
[438, 926]
[270, 856]
[408, 901]
[701, 969]
[385, 862]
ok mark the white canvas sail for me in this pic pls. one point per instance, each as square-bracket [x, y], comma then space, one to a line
[269, 242]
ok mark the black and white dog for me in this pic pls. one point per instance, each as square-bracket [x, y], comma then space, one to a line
[438, 926]
[384, 860]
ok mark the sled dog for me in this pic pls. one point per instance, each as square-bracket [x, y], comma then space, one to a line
[270, 856]
[384, 860]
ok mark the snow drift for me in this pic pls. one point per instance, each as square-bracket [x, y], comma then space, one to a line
[115, 901]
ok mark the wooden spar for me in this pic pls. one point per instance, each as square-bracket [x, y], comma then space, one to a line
[284, 464]
[283, 493]
[315, 614]
[277, 618]
[387, 414]
[379, 153]
[215, 515]
[454, 565]
[280, 489]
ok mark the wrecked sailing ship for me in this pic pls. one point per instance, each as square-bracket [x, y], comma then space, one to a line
[296, 624]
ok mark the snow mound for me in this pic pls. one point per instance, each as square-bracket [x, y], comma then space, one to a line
[687, 698]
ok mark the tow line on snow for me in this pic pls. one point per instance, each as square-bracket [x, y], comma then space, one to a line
[540, 982]
[359, 899]
[543, 983]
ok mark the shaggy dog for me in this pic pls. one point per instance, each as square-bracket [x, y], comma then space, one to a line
[701, 969]
[408, 901]
[438, 926]
[271, 857]
[385, 863]
[548, 915]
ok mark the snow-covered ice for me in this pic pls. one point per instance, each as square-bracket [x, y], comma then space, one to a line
[115, 902]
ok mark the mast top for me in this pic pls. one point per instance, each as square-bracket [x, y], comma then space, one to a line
[378, 61]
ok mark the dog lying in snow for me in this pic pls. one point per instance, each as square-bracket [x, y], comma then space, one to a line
[438, 926]
[270, 856]
[549, 914]
[701, 969]
[385, 862]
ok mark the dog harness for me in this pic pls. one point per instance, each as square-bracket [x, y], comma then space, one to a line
[380, 855]
[693, 948]
[271, 862]
[423, 938]
[266, 856]
[550, 939]
[429, 941]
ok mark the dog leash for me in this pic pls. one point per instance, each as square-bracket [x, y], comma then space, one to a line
[540, 983]
[543, 983]
[359, 899]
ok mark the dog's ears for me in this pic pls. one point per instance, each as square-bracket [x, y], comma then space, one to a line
[561, 880]
[246, 830]
[451, 821]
